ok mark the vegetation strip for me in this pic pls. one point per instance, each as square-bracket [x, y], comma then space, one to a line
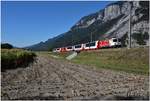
[13, 58]
[134, 60]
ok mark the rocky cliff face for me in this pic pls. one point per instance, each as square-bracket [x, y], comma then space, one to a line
[112, 21]
[114, 10]
[111, 12]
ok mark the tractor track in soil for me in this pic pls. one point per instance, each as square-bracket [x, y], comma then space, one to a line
[50, 78]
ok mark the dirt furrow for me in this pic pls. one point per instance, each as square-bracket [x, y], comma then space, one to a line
[49, 78]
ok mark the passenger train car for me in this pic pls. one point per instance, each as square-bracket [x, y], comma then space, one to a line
[113, 42]
[79, 47]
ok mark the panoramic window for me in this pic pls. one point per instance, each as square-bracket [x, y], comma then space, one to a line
[114, 40]
[69, 47]
[119, 40]
[87, 45]
[78, 46]
[90, 44]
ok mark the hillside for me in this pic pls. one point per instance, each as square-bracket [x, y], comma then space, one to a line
[112, 21]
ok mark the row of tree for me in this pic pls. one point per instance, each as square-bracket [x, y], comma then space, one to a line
[6, 46]
[140, 38]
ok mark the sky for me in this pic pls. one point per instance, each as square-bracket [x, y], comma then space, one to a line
[24, 23]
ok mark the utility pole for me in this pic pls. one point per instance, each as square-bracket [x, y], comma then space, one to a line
[129, 33]
[91, 36]
[72, 40]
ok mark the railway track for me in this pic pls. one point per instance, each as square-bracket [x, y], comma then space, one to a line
[50, 78]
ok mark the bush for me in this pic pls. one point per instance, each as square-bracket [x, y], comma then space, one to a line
[140, 38]
[124, 40]
[6, 46]
[13, 58]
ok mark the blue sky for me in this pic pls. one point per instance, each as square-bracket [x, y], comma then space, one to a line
[26, 23]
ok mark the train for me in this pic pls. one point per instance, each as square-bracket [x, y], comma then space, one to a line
[94, 45]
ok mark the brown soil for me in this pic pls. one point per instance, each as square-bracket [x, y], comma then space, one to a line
[50, 78]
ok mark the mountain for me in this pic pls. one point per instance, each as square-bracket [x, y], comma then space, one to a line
[112, 21]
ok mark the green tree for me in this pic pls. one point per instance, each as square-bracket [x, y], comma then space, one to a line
[124, 40]
[146, 36]
[6, 46]
[139, 37]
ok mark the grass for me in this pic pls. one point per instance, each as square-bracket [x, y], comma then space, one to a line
[13, 58]
[134, 60]
[61, 56]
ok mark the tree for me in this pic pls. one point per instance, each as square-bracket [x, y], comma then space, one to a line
[50, 48]
[146, 36]
[6, 46]
[139, 37]
[124, 40]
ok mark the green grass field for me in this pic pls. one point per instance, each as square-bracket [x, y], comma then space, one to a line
[13, 58]
[134, 60]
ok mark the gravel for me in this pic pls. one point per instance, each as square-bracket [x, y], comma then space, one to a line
[50, 78]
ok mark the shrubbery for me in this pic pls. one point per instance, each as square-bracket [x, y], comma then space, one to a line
[141, 38]
[13, 58]
[6, 46]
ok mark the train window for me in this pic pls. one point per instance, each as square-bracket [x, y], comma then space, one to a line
[69, 47]
[57, 49]
[114, 40]
[87, 45]
[90, 44]
[119, 40]
[78, 46]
